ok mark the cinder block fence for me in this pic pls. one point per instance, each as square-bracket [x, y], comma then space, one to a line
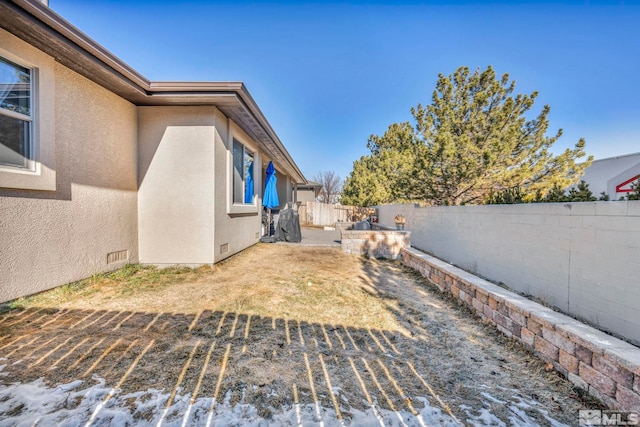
[582, 258]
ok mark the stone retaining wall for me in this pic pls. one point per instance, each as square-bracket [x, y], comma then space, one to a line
[604, 366]
[373, 243]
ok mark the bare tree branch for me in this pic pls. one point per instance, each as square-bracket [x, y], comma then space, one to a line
[331, 186]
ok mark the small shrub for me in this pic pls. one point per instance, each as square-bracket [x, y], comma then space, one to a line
[508, 196]
[635, 190]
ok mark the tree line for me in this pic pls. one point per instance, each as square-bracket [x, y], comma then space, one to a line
[476, 142]
[578, 193]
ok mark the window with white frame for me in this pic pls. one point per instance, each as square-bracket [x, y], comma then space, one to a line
[16, 115]
[243, 179]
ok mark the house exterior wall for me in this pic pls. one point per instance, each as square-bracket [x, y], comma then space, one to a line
[306, 195]
[185, 201]
[237, 227]
[109, 182]
[579, 257]
[49, 238]
[285, 190]
[176, 184]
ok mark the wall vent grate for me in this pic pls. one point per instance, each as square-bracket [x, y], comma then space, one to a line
[118, 256]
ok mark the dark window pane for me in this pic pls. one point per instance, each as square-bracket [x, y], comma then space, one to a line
[15, 87]
[14, 141]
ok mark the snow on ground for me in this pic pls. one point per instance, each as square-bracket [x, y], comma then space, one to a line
[78, 403]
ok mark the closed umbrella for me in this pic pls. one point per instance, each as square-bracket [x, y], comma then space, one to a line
[270, 197]
[248, 189]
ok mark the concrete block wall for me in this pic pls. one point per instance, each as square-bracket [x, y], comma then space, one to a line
[582, 258]
[376, 244]
[606, 367]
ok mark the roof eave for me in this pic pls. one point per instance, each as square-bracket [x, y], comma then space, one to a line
[41, 27]
[232, 98]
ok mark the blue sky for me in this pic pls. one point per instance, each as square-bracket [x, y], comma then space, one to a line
[329, 74]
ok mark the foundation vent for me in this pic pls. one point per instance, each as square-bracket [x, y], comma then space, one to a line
[224, 248]
[118, 256]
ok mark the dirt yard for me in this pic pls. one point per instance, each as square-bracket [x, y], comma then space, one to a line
[277, 335]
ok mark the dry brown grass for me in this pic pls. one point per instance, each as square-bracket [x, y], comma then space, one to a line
[279, 281]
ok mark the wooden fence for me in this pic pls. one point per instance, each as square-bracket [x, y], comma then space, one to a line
[324, 214]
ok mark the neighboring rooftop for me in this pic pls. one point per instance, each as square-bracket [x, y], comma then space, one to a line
[611, 174]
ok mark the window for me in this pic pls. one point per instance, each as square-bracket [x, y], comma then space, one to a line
[27, 117]
[243, 190]
[15, 115]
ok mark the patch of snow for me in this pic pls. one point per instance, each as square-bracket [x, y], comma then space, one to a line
[553, 422]
[81, 403]
[520, 417]
[93, 403]
[517, 406]
[491, 398]
[482, 417]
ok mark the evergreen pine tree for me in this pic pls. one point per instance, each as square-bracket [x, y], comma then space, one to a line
[472, 142]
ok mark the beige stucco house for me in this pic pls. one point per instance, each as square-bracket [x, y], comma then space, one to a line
[100, 167]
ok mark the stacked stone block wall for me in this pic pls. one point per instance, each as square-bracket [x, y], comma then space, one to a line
[375, 243]
[604, 366]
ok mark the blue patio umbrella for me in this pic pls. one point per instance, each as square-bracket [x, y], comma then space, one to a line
[270, 197]
[248, 189]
